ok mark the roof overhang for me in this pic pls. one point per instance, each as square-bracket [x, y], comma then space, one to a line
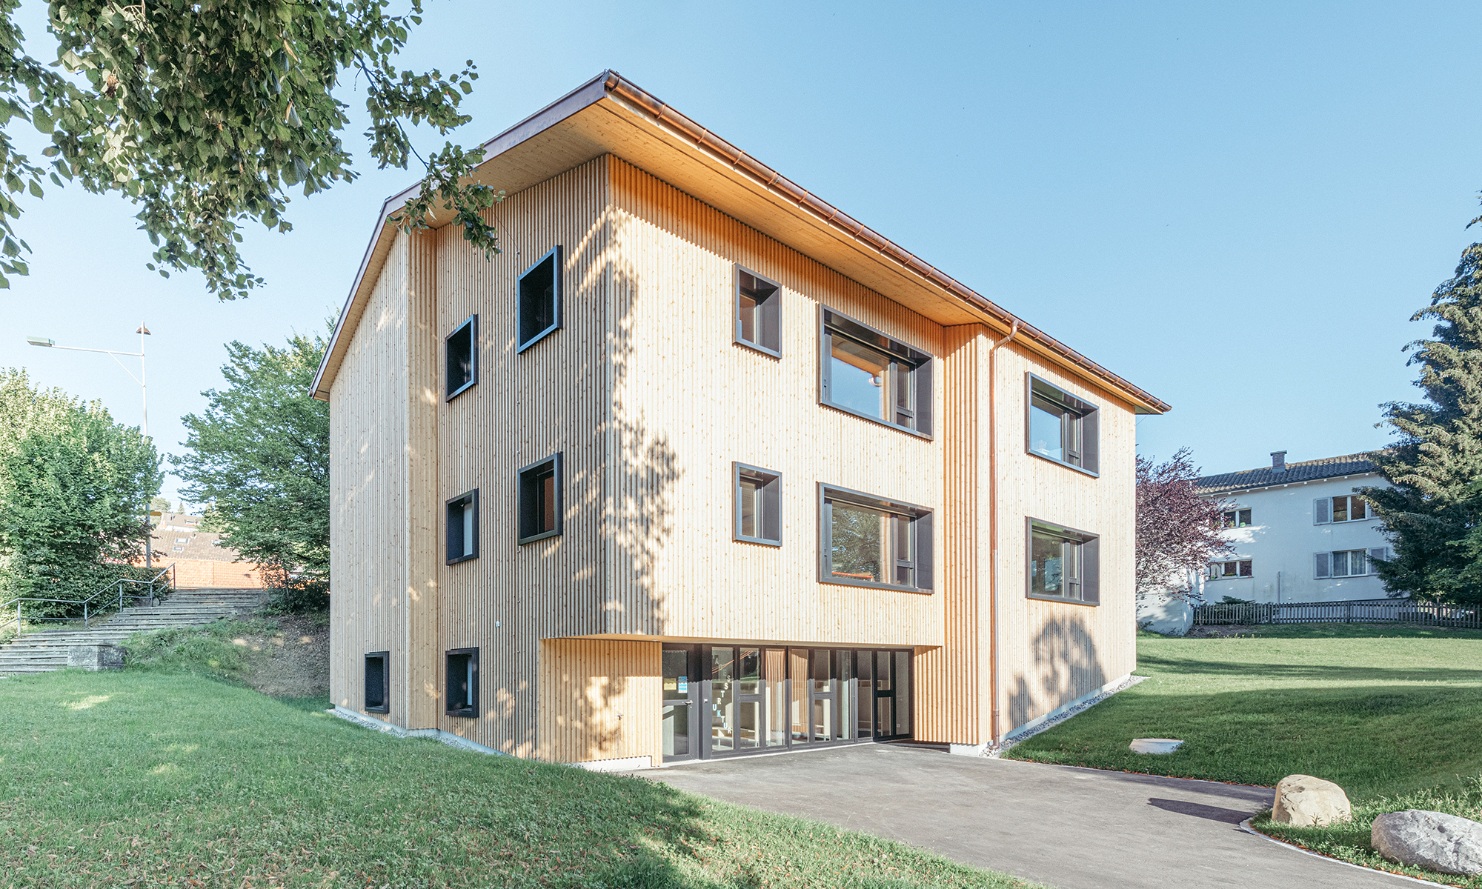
[612, 115]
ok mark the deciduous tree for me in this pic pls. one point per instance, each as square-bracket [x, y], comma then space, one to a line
[259, 455]
[207, 114]
[1178, 530]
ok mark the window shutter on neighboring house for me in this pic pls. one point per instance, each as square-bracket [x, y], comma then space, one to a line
[1324, 565]
[1091, 570]
[1322, 511]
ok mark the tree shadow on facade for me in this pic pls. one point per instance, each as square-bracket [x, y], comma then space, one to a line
[1063, 665]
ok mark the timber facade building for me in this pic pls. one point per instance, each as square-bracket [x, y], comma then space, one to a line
[700, 466]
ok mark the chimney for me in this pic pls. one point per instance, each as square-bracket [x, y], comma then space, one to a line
[1278, 461]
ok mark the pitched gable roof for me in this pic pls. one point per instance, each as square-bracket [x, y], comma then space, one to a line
[1305, 471]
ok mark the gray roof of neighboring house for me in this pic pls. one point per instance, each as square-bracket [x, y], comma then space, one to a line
[173, 527]
[1305, 471]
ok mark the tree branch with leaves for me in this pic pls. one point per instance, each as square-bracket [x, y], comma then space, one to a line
[1178, 529]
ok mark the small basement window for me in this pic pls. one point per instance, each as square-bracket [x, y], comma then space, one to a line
[1062, 427]
[540, 300]
[377, 688]
[462, 351]
[873, 376]
[463, 682]
[873, 541]
[1064, 564]
[540, 500]
[758, 312]
[463, 527]
[758, 504]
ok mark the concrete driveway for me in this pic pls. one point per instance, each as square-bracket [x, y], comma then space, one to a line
[1065, 827]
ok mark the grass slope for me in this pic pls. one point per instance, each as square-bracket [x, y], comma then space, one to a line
[1393, 715]
[157, 777]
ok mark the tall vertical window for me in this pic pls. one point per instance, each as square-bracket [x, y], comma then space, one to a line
[462, 352]
[463, 682]
[758, 312]
[540, 300]
[873, 541]
[1343, 508]
[1062, 427]
[758, 504]
[540, 499]
[1064, 564]
[463, 527]
[871, 375]
[377, 691]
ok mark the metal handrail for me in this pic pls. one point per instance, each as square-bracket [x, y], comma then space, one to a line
[88, 611]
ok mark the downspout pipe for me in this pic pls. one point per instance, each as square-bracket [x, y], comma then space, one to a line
[995, 716]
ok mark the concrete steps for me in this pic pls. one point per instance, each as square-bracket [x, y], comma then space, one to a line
[46, 650]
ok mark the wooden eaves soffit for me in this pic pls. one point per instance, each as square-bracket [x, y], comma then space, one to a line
[611, 115]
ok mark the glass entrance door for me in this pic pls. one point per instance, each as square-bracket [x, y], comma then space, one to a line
[681, 712]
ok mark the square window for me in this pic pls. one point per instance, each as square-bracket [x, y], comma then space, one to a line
[758, 504]
[463, 527]
[540, 300]
[758, 312]
[873, 541]
[462, 357]
[871, 375]
[1062, 427]
[463, 682]
[377, 688]
[1236, 518]
[540, 500]
[1064, 564]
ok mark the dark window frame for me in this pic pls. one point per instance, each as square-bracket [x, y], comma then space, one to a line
[833, 323]
[1245, 562]
[470, 707]
[1088, 562]
[472, 498]
[921, 545]
[1087, 431]
[1231, 518]
[385, 706]
[771, 497]
[470, 324]
[768, 312]
[525, 516]
[554, 256]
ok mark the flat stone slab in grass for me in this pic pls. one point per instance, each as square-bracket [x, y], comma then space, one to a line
[1156, 746]
[1305, 801]
[1446, 844]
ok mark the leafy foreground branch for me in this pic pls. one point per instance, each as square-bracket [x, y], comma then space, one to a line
[253, 791]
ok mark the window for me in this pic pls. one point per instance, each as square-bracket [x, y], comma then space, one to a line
[178, 549]
[461, 348]
[1062, 427]
[1343, 508]
[870, 375]
[1229, 568]
[540, 300]
[871, 541]
[758, 504]
[1349, 562]
[540, 500]
[758, 312]
[377, 692]
[463, 527]
[1235, 518]
[182, 540]
[463, 682]
[1064, 564]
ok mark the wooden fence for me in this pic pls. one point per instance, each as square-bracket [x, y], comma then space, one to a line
[1357, 611]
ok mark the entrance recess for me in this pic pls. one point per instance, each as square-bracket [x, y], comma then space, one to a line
[729, 700]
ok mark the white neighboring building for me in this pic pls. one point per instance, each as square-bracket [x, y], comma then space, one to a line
[1299, 531]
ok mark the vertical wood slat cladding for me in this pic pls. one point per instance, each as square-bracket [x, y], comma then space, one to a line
[687, 401]
[1055, 652]
[525, 407]
[422, 522]
[368, 435]
[600, 700]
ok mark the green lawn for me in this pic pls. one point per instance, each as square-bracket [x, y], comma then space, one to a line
[153, 777]
[1393, 715]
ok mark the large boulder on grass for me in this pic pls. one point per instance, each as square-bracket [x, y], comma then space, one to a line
[1305, 801]
[1446, 844]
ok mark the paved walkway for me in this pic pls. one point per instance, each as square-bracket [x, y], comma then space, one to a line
[1068, 828]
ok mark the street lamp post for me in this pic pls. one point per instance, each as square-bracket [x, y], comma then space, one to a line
[143, 332]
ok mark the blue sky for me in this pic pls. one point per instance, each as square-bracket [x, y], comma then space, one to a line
[1238, 208]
